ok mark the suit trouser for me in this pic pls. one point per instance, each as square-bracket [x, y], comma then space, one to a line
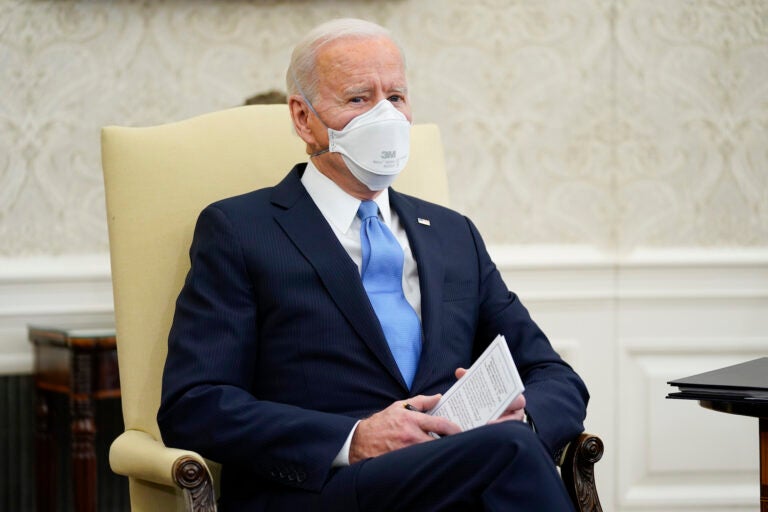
[501, 467]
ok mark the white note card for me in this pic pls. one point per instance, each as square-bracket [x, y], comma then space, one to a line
[485, 391]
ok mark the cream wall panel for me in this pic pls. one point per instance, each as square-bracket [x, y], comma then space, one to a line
[521, 91]
[691, 114]
[677, 454]
[614, 124]
[676, 320]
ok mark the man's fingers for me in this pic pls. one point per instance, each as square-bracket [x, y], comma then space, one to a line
[517, 403]
[427, 423]
[460, 372]
[515, 411]
[438, 425]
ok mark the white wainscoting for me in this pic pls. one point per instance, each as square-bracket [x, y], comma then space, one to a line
[628, 324]
[49, 290]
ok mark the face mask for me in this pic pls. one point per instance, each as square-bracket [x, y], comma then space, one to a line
[374, 145]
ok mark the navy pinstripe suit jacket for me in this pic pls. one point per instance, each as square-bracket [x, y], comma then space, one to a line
[275, 350]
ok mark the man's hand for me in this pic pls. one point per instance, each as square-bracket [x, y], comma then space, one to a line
[396, 427]
[515, 411]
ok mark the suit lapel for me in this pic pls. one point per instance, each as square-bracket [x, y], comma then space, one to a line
[303, 223]
[425, 245]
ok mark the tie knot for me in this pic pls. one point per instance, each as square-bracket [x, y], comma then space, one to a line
[367, 209]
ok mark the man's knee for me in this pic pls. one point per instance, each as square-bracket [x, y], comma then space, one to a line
[504, 441]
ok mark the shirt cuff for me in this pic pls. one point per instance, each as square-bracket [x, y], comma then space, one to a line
[342, 458]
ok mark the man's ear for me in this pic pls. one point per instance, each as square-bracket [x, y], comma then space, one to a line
[300, 116]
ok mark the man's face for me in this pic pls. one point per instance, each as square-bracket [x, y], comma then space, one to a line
[353, 76]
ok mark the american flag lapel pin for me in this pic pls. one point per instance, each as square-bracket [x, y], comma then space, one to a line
[424, 221]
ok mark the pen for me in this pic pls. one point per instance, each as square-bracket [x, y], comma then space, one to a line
[409, 407]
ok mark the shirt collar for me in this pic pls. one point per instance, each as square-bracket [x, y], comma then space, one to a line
[338, 207]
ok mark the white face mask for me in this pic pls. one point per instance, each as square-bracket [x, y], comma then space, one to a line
[375, 145]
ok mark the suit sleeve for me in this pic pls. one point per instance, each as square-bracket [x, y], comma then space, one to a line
[206, 401]
[556, 397]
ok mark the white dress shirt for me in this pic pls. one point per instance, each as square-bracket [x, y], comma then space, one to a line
[340, 210]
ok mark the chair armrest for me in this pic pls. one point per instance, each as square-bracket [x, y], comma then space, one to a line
[577, 470]
[136, 454]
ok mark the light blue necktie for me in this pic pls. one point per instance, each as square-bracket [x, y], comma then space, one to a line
[382, 274]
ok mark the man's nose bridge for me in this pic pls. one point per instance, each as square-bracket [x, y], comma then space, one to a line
[380, 95]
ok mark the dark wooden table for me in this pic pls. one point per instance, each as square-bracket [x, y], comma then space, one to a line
[81, 364]
[757, 410]
[739, 389]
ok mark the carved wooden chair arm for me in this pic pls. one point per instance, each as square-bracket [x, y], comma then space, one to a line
[136, 454]
[577, 470]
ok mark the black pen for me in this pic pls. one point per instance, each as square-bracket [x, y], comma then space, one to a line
[411, 408]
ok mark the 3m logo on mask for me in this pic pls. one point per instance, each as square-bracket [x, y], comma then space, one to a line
[389, 155]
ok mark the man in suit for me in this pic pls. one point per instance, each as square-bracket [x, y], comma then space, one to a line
[288, 364]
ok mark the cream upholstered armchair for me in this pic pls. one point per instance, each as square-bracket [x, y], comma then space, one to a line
[157, 180]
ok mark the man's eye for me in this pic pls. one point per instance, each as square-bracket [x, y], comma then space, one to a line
[356, 99]
[395, 98]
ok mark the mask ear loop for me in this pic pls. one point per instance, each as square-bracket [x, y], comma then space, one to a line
[309, 104]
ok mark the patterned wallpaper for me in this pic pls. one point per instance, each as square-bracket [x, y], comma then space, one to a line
[612, 123]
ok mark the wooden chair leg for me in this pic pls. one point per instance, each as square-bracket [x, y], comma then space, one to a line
[196, 485]
[577, 471]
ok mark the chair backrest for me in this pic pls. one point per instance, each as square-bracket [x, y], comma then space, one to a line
[158, 179]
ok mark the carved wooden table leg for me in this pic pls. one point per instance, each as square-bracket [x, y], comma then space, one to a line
[763, 464]
[45, 455]
[83, 433]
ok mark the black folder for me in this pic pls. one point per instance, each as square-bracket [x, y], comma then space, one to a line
[741, 382]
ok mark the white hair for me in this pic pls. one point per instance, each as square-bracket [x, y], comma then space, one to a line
[301, 77]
